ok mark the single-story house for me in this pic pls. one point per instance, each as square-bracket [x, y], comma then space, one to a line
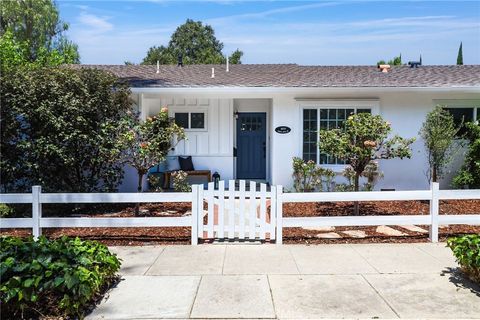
[249, 121]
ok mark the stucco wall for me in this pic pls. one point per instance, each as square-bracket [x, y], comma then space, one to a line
[213, 149]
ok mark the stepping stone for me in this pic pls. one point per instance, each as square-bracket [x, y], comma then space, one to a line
[355, 233]
[390, 231]
[328, 235]
[415, 229]
[323, 229]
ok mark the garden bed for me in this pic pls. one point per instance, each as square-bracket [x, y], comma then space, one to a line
[181, 235]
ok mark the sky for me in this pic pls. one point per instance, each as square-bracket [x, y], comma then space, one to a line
[302, 32]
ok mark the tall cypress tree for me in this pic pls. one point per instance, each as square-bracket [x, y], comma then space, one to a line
[460, 55]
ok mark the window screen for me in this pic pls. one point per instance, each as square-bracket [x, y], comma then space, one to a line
[181, 119]
[197, 120]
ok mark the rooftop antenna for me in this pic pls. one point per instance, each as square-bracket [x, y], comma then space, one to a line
[158, 66]
[228, 65]
[420, 59]
[213, 72]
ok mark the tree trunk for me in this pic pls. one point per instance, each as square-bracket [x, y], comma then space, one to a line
[356, 204]
[434, 174]
[139, 189]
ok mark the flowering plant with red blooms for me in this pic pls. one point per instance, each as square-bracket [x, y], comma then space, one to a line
[147, 143]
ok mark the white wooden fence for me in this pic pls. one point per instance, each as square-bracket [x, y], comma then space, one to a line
[239, 214]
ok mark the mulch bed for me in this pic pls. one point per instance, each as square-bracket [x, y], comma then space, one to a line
[181, 235]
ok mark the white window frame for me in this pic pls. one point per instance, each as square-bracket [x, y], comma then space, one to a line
[190, 111]
[372, 104]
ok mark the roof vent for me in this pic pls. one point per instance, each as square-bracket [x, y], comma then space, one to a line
[228, 66]
[415, 64]
[180, 61]
[213, 72]
[384, 67]
[158, 66]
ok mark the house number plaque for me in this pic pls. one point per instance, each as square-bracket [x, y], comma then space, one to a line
[282, 129]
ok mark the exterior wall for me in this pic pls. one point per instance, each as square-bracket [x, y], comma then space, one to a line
[406, 111]
[213, 149]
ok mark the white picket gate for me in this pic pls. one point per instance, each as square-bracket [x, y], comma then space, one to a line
[235, 213]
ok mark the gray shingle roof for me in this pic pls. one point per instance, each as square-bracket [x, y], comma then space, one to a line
[293, 75]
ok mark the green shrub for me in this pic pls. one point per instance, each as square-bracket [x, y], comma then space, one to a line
[180, 181]
[52, 277]
[467, 251]
[5, 210]
[308, 176]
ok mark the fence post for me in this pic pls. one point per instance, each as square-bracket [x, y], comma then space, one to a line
[200, 212]
[194, 215]
[279, 210]
[36, 211]
[434, 210]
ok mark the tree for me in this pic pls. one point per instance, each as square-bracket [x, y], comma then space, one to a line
[59, 129]
[460, 55]
[438, 133]
[363, 139]
[36, 24]
[195, 43]
[147, 143]
[469, 174]
[396, 61]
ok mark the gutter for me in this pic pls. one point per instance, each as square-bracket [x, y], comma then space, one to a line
[280, 90]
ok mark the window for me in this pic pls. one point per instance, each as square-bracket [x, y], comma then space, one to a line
[315, 119]
[310, 134]
[190, 120]
[463, 115]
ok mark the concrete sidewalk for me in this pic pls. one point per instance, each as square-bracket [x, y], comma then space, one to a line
[381, 281]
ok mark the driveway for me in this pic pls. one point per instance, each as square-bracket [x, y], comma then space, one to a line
[380, 281]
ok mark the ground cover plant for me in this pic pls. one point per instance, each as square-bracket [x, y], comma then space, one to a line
[466, 250]
[52, 277]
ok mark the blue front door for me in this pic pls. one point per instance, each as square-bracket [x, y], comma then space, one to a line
[251, 145]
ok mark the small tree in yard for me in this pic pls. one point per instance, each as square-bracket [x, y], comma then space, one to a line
[363, 139]
[146, 143]
[469, 175]
[438, 133]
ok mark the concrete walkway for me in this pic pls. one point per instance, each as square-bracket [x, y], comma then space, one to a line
[381, 281]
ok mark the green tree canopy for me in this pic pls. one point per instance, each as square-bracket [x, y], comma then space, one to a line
[59, 129]
[396, 61]
[438, 133]
[364, 138]
[195, 43]
[37, 32]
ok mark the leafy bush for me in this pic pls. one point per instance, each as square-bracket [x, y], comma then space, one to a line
[371, 173]
[180, 183]
[52, 277]
[308, 176]
[5, 210]
[467, 251]
[469, 175]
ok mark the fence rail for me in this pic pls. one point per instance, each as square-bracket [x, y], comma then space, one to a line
[227, 219]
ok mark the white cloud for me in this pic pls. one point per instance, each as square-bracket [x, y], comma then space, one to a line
[94, 23]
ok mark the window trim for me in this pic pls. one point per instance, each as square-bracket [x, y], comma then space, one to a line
[173, 111]
[372, 104]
